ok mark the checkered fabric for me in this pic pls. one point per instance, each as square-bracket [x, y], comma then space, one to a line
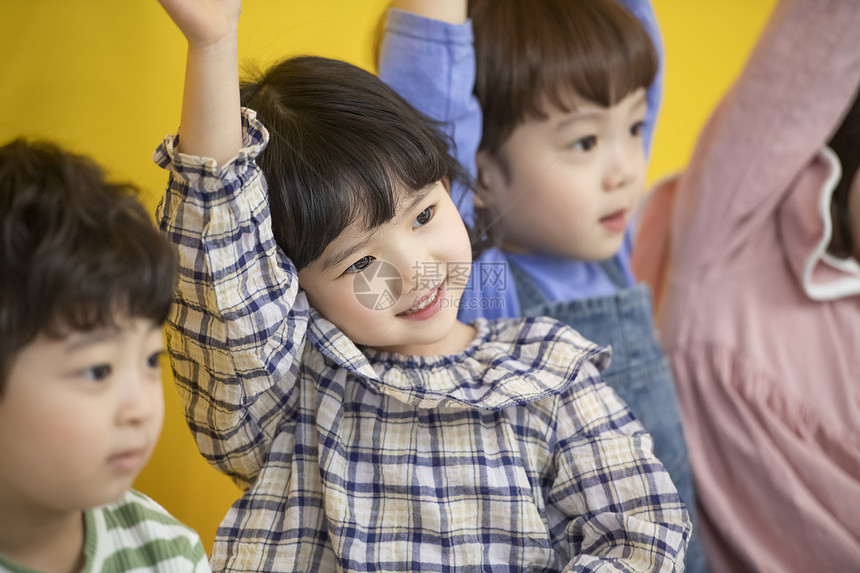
[509, 456]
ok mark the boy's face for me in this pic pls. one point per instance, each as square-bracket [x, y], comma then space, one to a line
[79, 418]
[394, 288]
[568, 184]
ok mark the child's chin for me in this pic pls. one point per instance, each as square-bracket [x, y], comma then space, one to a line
[603, 250]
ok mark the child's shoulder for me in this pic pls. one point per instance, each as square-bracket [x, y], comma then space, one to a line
[134, 506]
[548, 344]
[530, 330]
[137, 530]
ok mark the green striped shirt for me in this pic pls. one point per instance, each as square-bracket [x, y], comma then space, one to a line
[134, 533]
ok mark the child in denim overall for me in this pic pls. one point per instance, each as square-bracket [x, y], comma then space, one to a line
[568, 93]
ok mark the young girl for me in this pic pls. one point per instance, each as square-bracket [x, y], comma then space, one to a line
[369, 428]
[568, 92]
[761, 300]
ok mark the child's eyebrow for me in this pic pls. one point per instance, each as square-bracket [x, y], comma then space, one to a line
[641, 99]
[339, 255]
[578, 117]
[593, 115]
[81, 340]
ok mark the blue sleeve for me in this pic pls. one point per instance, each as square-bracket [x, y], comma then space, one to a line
[644, 11]
[432, 65]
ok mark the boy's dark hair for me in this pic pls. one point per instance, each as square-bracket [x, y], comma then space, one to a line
[76, 252]
[530, 53]
[342, 142]
[845, 142]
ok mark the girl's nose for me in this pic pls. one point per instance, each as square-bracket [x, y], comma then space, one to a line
[413, 264]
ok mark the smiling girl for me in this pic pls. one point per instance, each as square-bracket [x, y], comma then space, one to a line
[316, 345]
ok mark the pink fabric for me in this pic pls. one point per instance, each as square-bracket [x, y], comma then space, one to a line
[767, 361]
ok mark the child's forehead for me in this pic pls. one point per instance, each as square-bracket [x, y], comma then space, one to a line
[405, 198]
[73, 339]
[567, 104]
[561, 100]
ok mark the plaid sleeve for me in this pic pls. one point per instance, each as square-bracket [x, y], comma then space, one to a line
[239, 320]
[612, 506]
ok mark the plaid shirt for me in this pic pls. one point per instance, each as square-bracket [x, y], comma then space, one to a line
[510, 456]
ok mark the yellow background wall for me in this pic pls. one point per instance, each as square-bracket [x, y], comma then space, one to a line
[104, 77]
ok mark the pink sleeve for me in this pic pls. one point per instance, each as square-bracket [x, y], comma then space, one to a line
[783, 107]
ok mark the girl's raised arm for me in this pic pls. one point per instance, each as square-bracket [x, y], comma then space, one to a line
[211, 112]
[239, 320]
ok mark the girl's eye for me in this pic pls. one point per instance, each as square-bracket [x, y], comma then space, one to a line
[154, 360]
[584, 144]
[98, 372]
[636, 128]
[359, 265]
[424, 217]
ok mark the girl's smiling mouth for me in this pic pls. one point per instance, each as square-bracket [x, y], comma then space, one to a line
[426, 306]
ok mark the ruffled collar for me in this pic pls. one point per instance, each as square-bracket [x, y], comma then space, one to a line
[806, 230]
[509, 362]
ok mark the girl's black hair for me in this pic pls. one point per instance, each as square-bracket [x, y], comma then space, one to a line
[341, 145]
[76, 252]
[845, 142]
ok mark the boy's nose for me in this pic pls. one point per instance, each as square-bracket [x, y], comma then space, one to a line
[140, 397]
[620, 168]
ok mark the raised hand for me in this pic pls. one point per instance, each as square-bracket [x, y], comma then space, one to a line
[211, 124]
[204, 22]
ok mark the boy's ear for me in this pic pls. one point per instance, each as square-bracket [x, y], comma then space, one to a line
[491, 178]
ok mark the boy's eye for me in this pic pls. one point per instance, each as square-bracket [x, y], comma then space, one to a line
[636, 128]
[359, 265]
[424, 217]
[154, 360]
[584, 143]
[98, 372]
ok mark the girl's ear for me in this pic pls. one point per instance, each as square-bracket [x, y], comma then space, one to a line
[491, 179]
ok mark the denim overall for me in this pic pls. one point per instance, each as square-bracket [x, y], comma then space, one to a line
[638, 371]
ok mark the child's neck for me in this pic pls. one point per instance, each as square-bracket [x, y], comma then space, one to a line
[51, 543]
[460, 337]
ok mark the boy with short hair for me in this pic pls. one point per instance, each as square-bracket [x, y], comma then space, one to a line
[86, 281]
